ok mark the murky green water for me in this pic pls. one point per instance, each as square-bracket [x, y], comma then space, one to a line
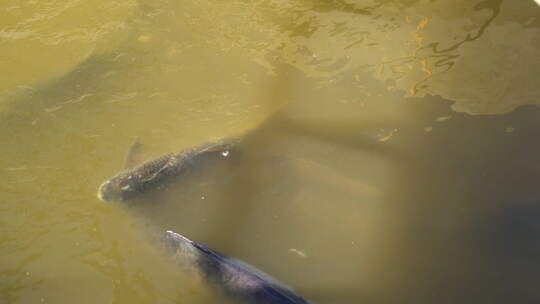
[391, 150]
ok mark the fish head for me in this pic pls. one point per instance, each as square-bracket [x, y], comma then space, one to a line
[175, 241]
[118, 188]
[182, 249]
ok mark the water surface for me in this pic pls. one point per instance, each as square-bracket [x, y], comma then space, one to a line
[390, 150]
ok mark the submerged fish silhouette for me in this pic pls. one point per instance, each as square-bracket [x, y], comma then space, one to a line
[235, 279]
[158, 171]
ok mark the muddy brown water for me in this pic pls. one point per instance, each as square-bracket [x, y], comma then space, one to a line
[391, 149]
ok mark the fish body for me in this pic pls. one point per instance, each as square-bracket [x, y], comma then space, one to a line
[159, 171]
[237, 280]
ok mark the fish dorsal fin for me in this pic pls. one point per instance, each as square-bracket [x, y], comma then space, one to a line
[134, 155]
[218, 147]
[222, 145]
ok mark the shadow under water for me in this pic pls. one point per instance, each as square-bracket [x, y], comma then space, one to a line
[453, 198]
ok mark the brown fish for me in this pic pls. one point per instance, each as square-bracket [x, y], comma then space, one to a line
[156, 172]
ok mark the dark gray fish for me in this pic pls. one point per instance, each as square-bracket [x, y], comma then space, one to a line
[237, 280]
[159, 171]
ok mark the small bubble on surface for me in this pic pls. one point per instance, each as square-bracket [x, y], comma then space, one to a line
[297, 252]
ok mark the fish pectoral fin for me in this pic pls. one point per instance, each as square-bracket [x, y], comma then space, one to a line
[134, 155]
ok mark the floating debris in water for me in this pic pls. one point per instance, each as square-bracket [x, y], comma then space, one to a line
[387, 137]
[298, 252]
[443, 118]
